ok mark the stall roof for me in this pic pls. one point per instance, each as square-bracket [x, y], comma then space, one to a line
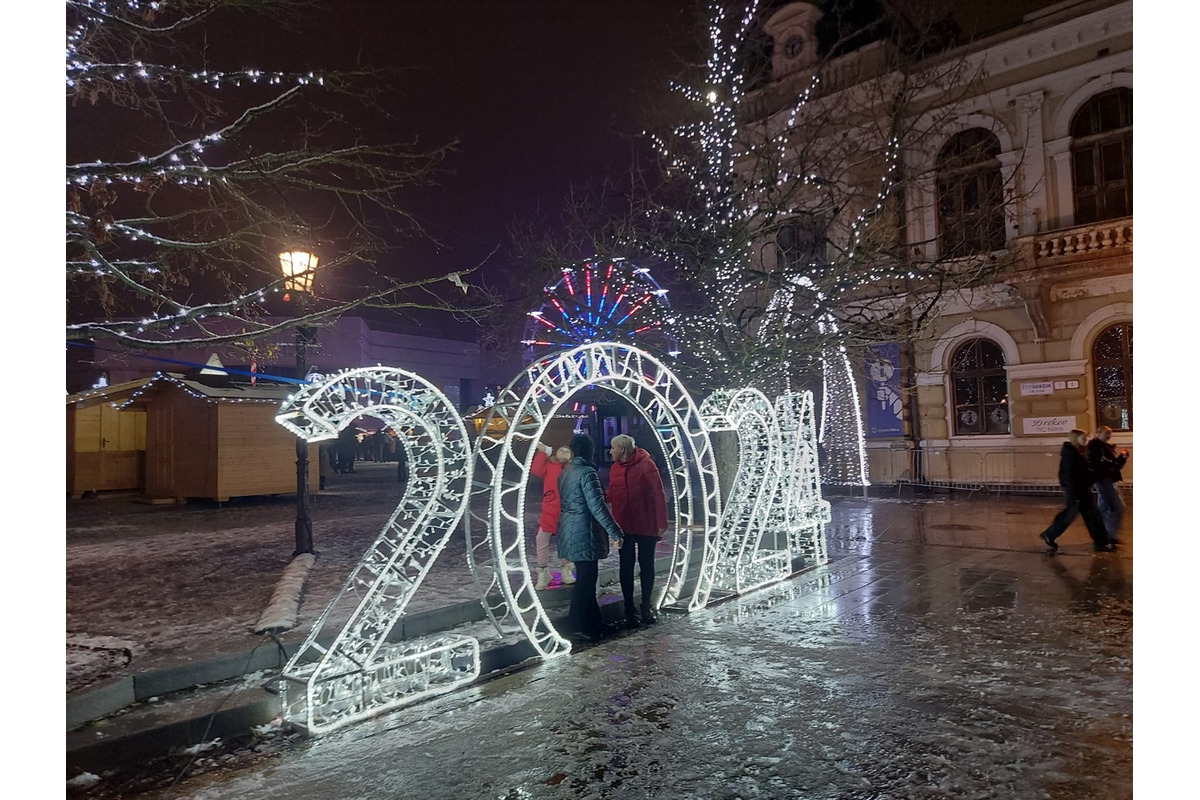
[116, 393]
[214, 393]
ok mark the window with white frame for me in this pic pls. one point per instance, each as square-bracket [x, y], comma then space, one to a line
[1102, 157]
[980, 386]
[1112, 376]
[970, 194]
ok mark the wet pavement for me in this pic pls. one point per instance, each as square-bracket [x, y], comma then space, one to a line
[939, 653]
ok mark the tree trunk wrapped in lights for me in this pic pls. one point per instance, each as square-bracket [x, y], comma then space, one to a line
[785, 197]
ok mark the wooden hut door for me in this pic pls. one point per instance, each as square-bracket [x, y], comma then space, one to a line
[122, 436]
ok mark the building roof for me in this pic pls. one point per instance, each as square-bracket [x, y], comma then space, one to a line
[216, 392]
[116, 392]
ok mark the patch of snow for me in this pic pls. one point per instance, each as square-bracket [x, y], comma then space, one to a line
[282, 612]
[201, 747]
[83, 780]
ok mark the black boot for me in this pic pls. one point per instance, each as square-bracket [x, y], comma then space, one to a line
[648, 617]
[631, 617]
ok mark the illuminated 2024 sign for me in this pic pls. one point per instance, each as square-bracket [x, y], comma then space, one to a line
[359, 674]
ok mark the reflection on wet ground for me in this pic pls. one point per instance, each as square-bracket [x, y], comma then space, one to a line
[939, 653]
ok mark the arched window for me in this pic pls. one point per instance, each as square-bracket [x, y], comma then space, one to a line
[1102, 157]
[970, 194]
[980, 386]
[1112, 376]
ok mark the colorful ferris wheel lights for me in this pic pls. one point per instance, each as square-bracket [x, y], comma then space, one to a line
[600, 300]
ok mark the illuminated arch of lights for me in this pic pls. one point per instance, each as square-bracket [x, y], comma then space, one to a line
[602, 300]
[750, 551]
[360, 673]
[496, 539]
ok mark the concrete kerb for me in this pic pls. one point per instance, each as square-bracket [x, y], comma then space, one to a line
[100, 736]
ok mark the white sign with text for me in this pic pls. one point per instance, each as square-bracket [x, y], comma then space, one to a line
[1036, 425]
[1043, 387]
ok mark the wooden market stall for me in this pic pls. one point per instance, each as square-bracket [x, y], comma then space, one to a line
[106, 447]
[209, 437]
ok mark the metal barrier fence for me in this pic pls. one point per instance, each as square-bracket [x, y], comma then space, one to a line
[970, 469]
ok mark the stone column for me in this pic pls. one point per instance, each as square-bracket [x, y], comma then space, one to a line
[1063, 215]
[1033, 186]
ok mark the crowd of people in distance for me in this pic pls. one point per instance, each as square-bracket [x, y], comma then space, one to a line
[338, 456]
[578, 511]
[1083, 466]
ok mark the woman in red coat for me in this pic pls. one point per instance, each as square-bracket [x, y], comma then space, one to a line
[548, 468]
[639, 505]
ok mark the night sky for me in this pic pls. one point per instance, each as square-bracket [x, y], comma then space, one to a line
[540, 94]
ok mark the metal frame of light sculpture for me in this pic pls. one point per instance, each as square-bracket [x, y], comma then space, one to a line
[360, 674]
[496, 548]
[804, 510]
[621, 303]
[750, 512]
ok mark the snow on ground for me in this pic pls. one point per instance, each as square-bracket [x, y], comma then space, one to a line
[149, 586]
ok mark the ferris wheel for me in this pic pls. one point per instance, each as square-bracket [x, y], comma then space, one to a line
[603, 300]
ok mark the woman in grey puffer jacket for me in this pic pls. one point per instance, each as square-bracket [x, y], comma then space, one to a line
[582, 500]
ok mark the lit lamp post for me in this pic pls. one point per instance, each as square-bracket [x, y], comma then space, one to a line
[299, 268]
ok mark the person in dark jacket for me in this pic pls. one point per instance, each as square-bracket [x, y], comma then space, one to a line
[347, 444]
[581, 500]
[1075, 478]
[639, 506]
[1106, 463]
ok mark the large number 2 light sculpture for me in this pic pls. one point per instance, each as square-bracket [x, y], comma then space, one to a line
[496, 538]
[360, 674]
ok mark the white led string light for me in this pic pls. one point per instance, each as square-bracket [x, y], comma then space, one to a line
[803, 510]
[519, 417]
[361, 673]
[745, 561]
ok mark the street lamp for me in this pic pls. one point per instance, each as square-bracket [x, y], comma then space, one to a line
[299, 268]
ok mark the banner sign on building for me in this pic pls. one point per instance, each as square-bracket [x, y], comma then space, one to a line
[1036, 425]
[885, 408]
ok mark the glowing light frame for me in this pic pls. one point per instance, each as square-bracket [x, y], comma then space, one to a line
[751, 512]
[496, 548]
[804, 510]
[359, 674]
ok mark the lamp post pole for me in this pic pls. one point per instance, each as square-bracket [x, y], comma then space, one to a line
[298, 270]
[304, 539]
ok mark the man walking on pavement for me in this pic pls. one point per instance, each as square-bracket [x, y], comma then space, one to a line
[639, 506]
[1106, 463]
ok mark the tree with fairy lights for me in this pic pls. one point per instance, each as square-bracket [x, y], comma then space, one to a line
[783, 204]
[186, 179]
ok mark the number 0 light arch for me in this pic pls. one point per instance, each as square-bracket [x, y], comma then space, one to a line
[503, 454]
